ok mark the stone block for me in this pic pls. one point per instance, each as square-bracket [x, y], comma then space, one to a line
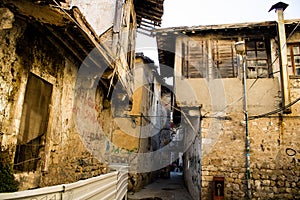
[287, 184]
[257, 184]
[264, 176]
[241, 176]
[266, 189]
[229, 180]
[280, 183]
[204, 184]
[6, 19]
[273, 183]
[256, 176]
[271, 195]
[236, 187]
[281, 178]
[234, 175]
[275, 189]
[205, 173]
[216, 161]
[273, 177]
[288, 196]
[266, 182]
[207, 178]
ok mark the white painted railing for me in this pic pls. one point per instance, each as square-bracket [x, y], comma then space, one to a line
[111, 186]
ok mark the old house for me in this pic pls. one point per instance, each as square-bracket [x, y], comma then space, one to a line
[61, 83]
[229, 155]
[145, 121]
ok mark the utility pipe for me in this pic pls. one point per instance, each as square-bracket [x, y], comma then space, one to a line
[286, 99]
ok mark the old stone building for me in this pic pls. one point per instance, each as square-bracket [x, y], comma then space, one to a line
[62, 81]
[145, 120]
[208, 86]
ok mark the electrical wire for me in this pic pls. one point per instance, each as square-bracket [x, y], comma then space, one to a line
[183, 113]
[97, 45]
[274, 111]
[126, 70]
[239, 99]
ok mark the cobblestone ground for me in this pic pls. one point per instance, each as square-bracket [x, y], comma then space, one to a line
[163, 189]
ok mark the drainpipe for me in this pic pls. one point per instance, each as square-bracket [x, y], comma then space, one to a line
[241, 49]
[286, 99]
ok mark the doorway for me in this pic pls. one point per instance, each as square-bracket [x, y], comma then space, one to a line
[34, 123]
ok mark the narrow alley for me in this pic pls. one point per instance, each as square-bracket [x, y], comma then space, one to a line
[172, 188]
[86, 112]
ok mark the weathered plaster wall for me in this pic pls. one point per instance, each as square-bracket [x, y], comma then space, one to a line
[92, 8]
[192, 157]
[219, 94]
[24, 50]
[142, 174]
[10, 80]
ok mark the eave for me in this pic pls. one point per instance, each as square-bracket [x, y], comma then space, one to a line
[65, 28]
[149, 12]
[166, 37]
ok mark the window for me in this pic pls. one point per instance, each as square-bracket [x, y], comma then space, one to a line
[34, 123]
[293, 54]
[194, 59]
[213, 58]
[224, 59]
[257, 59]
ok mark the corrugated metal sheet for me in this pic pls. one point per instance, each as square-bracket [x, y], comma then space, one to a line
[122, 185]
[111, 186]
[54, 192]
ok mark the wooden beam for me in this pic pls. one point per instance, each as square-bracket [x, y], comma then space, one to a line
[150, 17]
[63, 41]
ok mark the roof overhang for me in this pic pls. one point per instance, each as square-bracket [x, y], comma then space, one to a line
[148, 13]
[65, 28]
[166, 37]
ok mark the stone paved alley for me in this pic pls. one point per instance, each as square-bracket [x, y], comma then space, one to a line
[163, 189]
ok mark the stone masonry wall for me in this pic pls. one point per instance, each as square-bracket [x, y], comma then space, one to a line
[274, 164]
[274, 155]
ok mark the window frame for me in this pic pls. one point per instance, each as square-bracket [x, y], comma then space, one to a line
[256, 58]
[291, 55]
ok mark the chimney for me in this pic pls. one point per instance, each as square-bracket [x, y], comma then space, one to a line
[286, 99]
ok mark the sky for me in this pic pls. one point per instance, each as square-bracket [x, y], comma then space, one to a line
[210, 12]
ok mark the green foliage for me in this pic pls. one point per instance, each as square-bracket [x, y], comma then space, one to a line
[7, 179]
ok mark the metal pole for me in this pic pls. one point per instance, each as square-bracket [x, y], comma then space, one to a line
[247, 130]
[200, 151]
